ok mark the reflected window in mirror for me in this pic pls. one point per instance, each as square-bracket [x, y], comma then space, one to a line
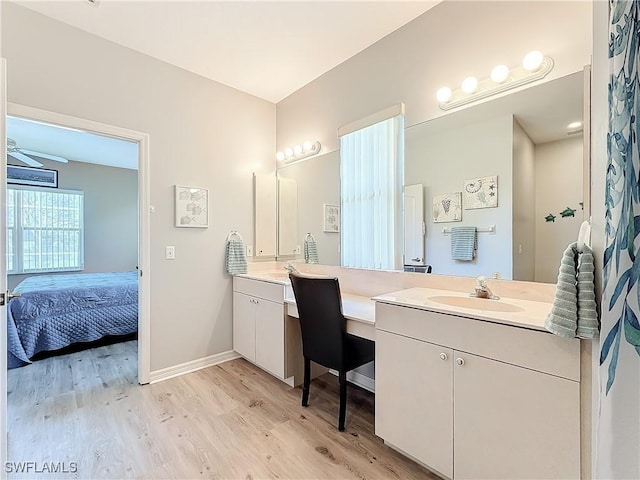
[371, 173]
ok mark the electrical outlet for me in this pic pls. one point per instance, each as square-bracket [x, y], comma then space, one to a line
[298, 250]
[170, 252]
[249, 250]
[496, 275]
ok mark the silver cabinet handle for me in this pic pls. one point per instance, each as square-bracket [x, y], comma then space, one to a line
[460, 361]
[443, 356]
[417, 259]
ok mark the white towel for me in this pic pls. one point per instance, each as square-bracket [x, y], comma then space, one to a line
[310, 250]
[464, 242]
[235, 259]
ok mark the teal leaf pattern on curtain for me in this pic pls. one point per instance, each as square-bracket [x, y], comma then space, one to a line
[622, 198]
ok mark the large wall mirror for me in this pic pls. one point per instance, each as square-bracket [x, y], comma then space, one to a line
[523, 139]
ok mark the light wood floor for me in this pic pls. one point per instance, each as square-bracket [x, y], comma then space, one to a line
[228, 421]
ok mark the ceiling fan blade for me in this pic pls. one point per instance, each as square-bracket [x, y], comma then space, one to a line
[46, 156]
[21, 157]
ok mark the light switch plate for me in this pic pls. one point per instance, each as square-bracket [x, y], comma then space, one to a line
[298, 250]
[170, 252]
[249, 250]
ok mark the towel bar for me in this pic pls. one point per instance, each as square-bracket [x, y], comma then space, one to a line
[490, 229]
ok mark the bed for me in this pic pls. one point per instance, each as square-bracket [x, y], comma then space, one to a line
[55, 311]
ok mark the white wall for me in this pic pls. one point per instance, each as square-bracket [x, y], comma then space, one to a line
[558, 164]
[202, 134]
[442, 160]
[524, 248]
[451, 41]
[318, 181]
[110, 227]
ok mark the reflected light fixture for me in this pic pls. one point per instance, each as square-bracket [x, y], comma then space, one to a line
[574, 125]
[298, 152]
[535, 66]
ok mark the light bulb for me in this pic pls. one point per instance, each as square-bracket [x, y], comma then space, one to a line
[307, 146]
[532, 61]
[444, 95]
[297, 149]
[573, 125]
[280, 156]
[469, 85]
[288, 152]
[500, 73]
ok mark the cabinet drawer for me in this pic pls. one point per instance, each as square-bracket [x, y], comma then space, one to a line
[258, 288]
[528, 348]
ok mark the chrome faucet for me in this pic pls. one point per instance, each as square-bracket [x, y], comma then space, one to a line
[482, 289]
[290, 268]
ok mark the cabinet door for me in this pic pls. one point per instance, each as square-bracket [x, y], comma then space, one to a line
[414, 399]
[512, 422]
[244, 325]
[270, 336]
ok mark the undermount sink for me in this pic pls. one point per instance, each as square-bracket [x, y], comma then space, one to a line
[476, 303]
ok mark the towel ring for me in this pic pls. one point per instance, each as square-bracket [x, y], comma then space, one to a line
[308, 237]
[232, 234]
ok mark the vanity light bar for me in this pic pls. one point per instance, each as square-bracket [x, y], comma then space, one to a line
[534, 67]
[298, 152]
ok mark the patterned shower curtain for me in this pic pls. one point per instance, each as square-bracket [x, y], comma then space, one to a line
[619, 422]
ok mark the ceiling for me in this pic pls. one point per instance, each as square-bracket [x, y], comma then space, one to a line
[266, 48]
[72, 144]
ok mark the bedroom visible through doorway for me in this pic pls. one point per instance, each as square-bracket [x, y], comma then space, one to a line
[72, 261]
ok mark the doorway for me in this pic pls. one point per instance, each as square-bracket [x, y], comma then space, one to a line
[141, 140]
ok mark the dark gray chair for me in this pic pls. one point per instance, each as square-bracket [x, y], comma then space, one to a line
[324, 334]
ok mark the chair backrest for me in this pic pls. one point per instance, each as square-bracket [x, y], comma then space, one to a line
[322, 323]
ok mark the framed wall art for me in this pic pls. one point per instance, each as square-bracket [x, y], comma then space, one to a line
[192, 207]
[481, 193]
[447, 207]
[331, 218]
[36, 177]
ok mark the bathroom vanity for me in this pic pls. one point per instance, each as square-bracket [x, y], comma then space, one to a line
[471, 398]
[468, 387]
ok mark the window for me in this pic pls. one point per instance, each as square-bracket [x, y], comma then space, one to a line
[371, 174]
[44, 230]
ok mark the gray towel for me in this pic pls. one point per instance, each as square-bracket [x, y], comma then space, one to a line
[574, 307]
[464, 242]
[588, 326]
[563, 318]
[235, 260]
[310, 251]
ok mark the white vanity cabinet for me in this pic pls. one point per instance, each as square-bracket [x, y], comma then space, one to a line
[262, 333]
[477, 400]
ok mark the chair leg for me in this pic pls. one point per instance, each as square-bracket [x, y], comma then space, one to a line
[306, 382]
[343, 399]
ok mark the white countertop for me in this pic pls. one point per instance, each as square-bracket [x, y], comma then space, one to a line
[532, 314]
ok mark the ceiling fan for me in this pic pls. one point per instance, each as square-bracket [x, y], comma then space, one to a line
[23, 155]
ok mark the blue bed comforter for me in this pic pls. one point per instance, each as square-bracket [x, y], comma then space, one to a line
[55, 311]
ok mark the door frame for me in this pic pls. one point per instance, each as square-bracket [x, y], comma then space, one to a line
[144, 241]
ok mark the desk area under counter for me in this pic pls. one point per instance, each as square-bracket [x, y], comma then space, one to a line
[509, 385]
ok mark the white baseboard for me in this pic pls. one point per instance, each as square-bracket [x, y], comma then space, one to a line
[192, 366]
[360, 380]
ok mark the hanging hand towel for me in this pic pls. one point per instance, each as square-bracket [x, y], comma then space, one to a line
[563, 318]
[588, 326]
[235, 260]
[310, 250]
[464, 242]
